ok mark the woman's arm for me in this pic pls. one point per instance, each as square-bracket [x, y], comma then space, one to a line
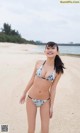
[31, 80]
[53, 89]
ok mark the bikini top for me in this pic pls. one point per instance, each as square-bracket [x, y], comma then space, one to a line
[51, 77]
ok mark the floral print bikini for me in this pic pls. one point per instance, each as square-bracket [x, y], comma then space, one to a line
[51, 77]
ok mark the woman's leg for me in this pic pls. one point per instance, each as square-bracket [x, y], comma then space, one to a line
[44, 113]
[31, 115]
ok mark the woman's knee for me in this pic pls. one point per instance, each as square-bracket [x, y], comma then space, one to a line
[31, 115]
[44, 131]
[45, 128]
[31, 126]
[44, 113]
[31, 130]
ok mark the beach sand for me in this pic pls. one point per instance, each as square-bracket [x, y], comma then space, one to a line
[16, 67]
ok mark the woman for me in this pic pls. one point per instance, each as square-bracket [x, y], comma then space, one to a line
[42, 88]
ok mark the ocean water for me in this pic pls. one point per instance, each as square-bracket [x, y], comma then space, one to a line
[62, 49]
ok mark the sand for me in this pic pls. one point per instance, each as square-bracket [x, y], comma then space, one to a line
[16, 66]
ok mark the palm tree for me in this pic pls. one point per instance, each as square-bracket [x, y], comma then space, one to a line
[6, 28]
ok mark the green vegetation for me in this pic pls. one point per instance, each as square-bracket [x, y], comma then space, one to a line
[7, 34]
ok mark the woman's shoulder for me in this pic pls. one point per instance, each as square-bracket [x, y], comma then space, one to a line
[39, 61]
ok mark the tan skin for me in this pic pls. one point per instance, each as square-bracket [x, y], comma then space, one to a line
[39, 88]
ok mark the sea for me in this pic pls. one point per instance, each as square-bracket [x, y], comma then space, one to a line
[62, 49]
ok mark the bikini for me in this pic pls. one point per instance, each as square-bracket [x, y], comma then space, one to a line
[51, 77]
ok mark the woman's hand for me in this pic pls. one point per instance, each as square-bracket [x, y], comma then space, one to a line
[22, 99]
[51, 112]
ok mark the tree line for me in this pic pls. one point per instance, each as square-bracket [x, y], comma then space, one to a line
[8, 34]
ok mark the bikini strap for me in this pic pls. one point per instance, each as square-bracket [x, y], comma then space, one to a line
[44, 62]
[29, 97]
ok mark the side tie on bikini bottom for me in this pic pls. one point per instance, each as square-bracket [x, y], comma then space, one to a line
[38, 102]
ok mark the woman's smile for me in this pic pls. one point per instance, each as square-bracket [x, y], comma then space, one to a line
[50, 53]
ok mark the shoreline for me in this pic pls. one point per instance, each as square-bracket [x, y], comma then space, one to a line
[28, 49]
[71, 55]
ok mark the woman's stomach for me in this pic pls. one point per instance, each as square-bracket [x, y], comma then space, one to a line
[40, 89]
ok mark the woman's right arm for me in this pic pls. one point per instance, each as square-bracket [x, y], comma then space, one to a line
[22, 99]
[31, 80]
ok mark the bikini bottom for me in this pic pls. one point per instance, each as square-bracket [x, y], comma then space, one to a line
[38, 102]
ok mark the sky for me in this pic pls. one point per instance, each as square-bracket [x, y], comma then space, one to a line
[44, 20]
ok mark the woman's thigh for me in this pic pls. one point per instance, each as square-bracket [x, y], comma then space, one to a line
[31, 113]
[44, 113]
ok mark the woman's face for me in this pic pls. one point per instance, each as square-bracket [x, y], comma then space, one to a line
[51, 51]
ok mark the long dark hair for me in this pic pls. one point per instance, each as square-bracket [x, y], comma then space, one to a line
[58, 64]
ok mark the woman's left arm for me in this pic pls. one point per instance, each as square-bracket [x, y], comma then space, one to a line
[53, 89]
[53, 92]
